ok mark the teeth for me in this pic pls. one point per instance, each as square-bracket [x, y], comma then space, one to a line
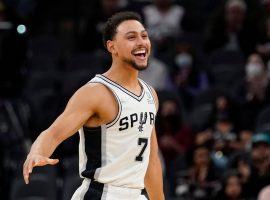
[141, 51]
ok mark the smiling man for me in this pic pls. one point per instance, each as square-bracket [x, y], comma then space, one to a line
[115, 114]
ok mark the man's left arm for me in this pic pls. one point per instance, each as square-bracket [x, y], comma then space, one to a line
[153, 179]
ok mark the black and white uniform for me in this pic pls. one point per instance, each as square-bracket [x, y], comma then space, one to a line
[113, 158]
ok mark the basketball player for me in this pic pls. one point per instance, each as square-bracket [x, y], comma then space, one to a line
[115, 114]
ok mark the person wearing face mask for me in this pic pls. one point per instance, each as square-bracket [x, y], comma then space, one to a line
[188, 80]
[256, 77]
[253, 93]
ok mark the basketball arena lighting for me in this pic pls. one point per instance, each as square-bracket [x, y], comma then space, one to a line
[21, 29]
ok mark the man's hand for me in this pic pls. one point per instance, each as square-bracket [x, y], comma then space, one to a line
[34, 161]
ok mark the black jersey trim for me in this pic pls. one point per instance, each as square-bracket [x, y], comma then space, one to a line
[93, 151]
[138, 98]
[111, 123]
[91, 128]
[95, 191]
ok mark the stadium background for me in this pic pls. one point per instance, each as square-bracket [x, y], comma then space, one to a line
[210, 68]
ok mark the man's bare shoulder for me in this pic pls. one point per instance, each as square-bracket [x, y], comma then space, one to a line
[99, 100]
[91, 90]
[91, 93]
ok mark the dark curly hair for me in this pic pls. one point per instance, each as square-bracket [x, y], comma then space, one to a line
[109, 29]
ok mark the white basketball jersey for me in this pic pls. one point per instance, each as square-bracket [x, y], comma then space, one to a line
[117, 153]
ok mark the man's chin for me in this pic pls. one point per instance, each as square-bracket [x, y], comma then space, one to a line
[137, 66]
[140, 67]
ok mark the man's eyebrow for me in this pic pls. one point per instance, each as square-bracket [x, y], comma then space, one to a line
[130, 32]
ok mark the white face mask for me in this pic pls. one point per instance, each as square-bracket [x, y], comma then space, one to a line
[254, 69]
[183, 60]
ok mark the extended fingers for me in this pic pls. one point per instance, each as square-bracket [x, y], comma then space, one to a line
[45, 161]
[30, 163]
[27, 169]
[52, 161]
[25, 173]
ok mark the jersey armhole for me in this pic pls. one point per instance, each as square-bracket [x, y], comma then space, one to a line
[151, 92]
[110, 124]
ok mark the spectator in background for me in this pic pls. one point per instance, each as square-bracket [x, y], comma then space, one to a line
[224, 142]
[163, 19]
[232, 187]
[202, 174]
[175, 138]
[219, 132]
[242, 164]
[256, 77]
[245, 137]
[231, 30]
[224, 107]
[189, 80]
[204, 137]
[253, 94]
[263, 46]
[259, 174]
[224, 126]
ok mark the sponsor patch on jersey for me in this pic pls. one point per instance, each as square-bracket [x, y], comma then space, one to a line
[150, 100]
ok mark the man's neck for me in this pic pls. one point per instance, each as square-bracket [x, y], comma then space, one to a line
[125, 75]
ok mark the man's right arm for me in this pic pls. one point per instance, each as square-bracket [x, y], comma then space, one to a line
[78, 110]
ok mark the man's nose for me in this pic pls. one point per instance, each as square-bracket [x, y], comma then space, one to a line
[140, 41]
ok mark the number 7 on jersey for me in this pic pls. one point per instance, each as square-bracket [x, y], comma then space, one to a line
[144, 142]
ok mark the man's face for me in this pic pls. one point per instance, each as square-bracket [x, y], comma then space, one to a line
[132, 45]
[261, 154]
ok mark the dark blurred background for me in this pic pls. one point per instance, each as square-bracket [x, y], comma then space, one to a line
[210, 66]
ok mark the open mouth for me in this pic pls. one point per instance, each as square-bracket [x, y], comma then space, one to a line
[141, 54]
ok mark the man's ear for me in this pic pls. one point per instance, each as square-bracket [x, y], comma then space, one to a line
[111, 46]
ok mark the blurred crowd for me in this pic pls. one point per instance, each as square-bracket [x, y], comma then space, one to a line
[210, 65]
